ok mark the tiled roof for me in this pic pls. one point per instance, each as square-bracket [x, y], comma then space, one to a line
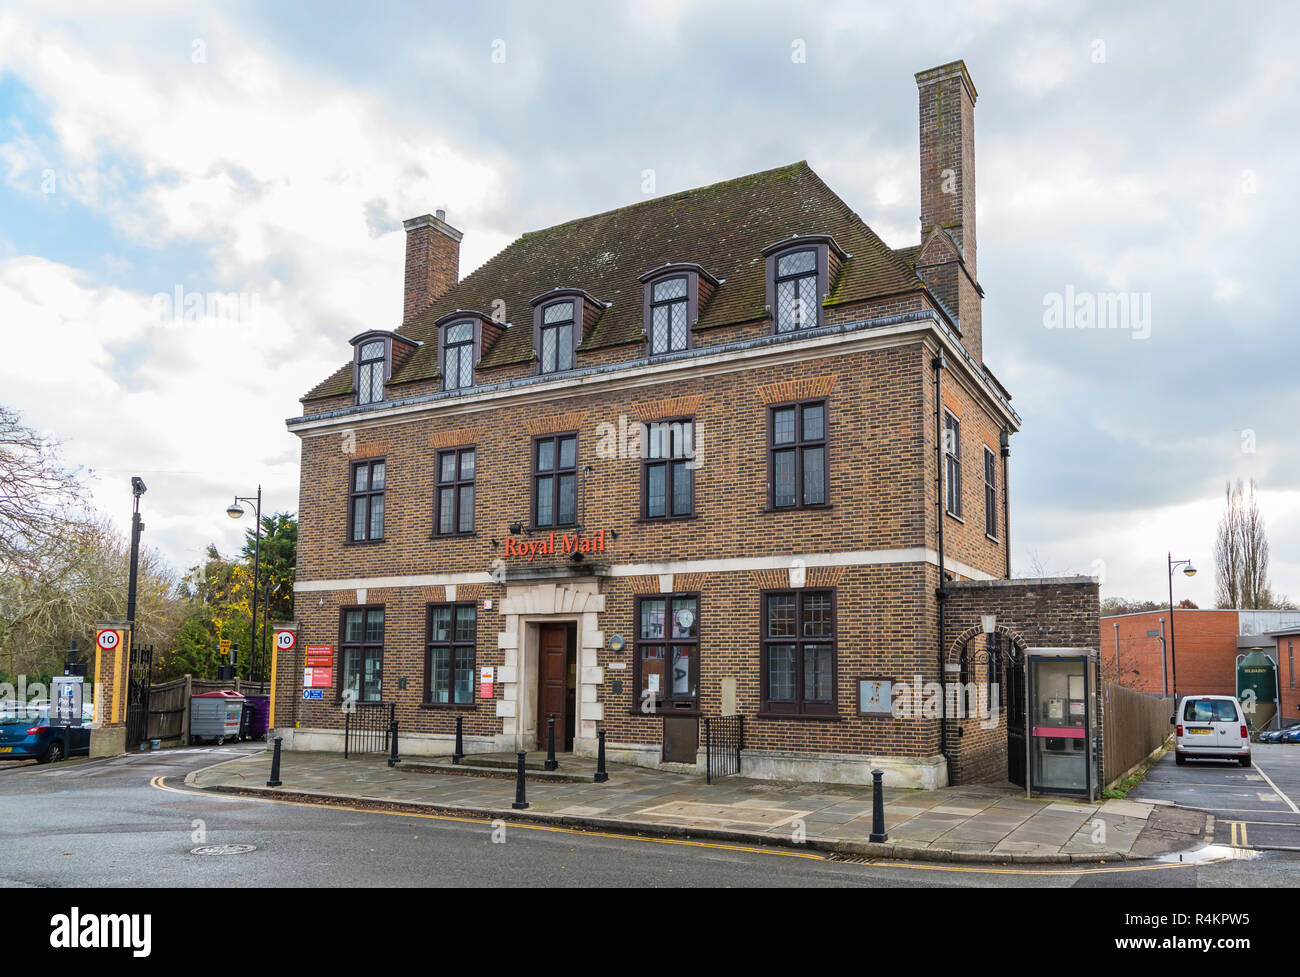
[723, 227]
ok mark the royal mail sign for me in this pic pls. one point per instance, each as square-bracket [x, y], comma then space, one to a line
[556, 544]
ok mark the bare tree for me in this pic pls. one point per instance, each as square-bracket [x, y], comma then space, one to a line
[1241, 552]
[1227, 555]
[1255, 590]
[38, 495]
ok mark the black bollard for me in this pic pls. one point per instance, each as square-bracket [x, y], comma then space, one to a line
[550, 763]
[460, 743]
[877, 807]
[601, 775]
[521, 801]
[392, 732]
[275, 765]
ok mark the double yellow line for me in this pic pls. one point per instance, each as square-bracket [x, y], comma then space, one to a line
[1244, 843]
[160, 783]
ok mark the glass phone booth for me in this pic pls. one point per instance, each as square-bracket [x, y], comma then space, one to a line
[1061, 720]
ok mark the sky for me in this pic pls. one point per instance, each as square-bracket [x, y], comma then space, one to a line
[157, 158]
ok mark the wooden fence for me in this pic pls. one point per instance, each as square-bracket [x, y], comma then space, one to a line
[1134, 726]
[169, 703]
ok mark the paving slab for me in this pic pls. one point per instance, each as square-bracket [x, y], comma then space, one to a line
[966, 822]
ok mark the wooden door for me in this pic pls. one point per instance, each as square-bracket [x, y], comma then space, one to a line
[553, 684]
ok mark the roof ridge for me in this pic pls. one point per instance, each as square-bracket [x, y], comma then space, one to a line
[666, 198]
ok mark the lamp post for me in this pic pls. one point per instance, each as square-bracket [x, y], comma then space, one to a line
[137, 527]
[236, 511]
[1188, 571]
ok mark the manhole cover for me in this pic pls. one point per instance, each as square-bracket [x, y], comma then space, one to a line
[222, 849]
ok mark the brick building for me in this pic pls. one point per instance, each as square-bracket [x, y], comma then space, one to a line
[1203, 652]
[718, 452]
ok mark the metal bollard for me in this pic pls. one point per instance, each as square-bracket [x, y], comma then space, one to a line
[347, 732]
[601, 775]
[877, 807]
[275, 765]
[550, 763]
[521, 801]
[460, 743]
[392, 732]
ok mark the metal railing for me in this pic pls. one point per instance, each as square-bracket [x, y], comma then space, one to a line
[724, 738]
[366, 727]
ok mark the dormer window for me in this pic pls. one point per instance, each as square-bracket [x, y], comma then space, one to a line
[464, 337]
[376, 355]
[556, 352]
[668, 307]
[674, 295]
[371, 366]
[458, 355]
[796, 291]
[800, 270]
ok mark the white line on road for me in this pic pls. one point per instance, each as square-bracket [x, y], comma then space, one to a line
[1290, 803]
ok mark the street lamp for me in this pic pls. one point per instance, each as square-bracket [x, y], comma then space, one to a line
[1188, 571]
[236, 511]
[137, 527]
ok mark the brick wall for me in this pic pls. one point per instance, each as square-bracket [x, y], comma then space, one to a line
[1059, 612]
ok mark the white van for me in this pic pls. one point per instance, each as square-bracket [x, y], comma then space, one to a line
[1210, 727]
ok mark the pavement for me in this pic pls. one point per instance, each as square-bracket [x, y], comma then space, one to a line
[1253, 807]
[978, 823]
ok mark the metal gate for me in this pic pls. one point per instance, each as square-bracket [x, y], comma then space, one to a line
[366, 727]
[724, 738]
[139, 678]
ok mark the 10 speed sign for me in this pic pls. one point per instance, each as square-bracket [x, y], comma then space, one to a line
[107, 640]
[285, 640]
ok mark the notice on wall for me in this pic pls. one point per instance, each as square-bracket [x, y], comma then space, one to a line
[317, 678]
[486, 675]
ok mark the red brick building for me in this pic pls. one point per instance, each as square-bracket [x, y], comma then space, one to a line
[718, 452]
[1137, 651]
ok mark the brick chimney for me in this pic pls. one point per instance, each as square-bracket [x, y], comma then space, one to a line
[947, 260]
[432, 261]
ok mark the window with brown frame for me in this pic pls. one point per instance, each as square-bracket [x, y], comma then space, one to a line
[457, 355]
[366, 501]
[669, 304]
[668, 469]
[667, 658]
[557, 330]
[450, 654]
[990, 494]
[795, 288]
[798, 649]
[952, 464]
[797, 455]
[555, 481]
[454, 508]
[372, 362]
[361, 653]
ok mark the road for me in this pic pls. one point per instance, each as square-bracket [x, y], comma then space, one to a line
[1254, 807]
[130, 821]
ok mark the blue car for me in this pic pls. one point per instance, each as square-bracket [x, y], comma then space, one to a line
[28, 735]
[1289, 735]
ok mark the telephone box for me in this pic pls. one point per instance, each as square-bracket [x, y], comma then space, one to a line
[1062, 722]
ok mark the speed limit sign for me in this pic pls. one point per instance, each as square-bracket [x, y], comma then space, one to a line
[107, 640]
[285, 640]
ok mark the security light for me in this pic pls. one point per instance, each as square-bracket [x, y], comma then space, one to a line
[137, 486]
[990, 622]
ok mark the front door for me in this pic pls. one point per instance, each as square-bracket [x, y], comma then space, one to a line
[1015, 710]
[556, 674]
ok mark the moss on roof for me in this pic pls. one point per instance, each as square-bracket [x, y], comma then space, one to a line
[723, 227]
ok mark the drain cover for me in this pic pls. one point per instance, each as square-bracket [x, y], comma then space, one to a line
[222, 849]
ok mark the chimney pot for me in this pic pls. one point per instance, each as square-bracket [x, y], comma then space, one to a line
[440, 214]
